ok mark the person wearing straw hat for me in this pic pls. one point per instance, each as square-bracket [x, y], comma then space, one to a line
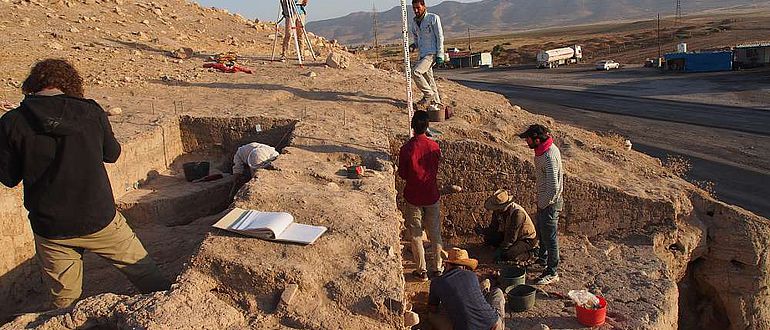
[511, 229]
[456, 299]
[248, 159]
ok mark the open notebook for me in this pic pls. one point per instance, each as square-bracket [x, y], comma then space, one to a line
[274, 226]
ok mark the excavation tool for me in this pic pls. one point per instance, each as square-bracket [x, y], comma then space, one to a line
[407, 64]
[293, 14]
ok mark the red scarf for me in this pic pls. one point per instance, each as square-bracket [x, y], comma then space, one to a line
[543, 147]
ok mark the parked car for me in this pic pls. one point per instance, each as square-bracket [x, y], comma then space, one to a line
[607, 65]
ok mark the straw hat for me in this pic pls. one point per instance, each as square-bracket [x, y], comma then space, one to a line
[498, 201]
[460, 257]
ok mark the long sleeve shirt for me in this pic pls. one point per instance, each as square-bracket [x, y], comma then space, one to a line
[428, 35]
[549, 175]
[418, 164]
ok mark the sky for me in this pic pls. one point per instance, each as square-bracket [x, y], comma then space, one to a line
[267, 10]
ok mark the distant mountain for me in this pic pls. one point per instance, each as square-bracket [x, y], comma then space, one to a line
[499, 16]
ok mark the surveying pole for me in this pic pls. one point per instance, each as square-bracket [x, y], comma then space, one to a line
[407, 65]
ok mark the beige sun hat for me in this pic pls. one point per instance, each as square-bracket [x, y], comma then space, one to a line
[498, 201]
[460, 257]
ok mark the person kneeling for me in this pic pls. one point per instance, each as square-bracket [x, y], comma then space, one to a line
[511, 230]
[456, 299]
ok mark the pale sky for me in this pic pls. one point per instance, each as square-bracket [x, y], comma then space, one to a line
[317, 9]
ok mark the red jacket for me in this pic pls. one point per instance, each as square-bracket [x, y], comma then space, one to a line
[418, 165]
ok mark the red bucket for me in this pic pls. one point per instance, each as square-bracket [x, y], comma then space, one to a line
[592, 317]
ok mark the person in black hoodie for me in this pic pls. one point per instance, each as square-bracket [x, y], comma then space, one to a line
[56, 142]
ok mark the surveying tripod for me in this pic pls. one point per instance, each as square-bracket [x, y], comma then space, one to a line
[292, 16]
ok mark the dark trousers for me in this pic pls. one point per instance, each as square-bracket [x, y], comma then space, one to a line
[547, 228]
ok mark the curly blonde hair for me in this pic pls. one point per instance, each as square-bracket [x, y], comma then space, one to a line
[54, 73]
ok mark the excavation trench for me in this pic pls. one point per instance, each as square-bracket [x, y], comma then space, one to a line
[633, 250]
[170, 215]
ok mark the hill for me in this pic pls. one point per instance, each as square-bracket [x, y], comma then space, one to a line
[502, 16]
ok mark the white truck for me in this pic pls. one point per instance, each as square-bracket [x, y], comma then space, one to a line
[559, 56]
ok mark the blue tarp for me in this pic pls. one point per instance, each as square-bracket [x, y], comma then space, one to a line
[700, 62]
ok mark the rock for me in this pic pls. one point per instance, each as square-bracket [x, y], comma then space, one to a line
[311, 74]
[74, 30]
[370, 66]
[54, 45]
[338, 60]
[540, 327]
[127, 79]
[411, 319]
[114, 111]
[628, 145]
[288, 294]
[182, 53]
[146, 22]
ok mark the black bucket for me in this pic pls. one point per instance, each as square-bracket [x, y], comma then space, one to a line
[520, 297]
[195, 170]
[512, 276]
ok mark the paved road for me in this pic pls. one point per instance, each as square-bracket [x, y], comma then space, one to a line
[748, 120]
[740, 180]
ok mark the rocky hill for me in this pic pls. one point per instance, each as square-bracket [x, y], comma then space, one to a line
[503, 16]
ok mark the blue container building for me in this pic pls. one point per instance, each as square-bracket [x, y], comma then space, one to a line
[700, 61]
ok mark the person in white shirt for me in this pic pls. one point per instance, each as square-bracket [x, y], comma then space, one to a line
[247, 160]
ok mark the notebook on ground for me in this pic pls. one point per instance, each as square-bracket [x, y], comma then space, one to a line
[273, 226]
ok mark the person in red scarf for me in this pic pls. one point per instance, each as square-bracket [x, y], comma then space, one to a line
[549, 177]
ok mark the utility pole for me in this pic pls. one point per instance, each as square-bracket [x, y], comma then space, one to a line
[374, 25]
[678, 12]
[469, 40]
[659, 49]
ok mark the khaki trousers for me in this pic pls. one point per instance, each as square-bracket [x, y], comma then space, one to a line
[424, 218]
[299, 26]
[423, 78]
[62, 260]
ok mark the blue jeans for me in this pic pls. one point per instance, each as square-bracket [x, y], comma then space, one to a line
[547, 228]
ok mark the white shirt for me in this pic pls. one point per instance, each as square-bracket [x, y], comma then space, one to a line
[254, 154]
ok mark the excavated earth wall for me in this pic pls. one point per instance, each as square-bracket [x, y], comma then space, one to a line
[350, 279]
[709, 252]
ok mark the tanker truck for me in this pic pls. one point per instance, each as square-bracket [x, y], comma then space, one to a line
[559, 56]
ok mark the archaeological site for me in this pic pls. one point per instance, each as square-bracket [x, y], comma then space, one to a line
[664, 253]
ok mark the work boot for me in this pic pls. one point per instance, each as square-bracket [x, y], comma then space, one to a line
[423, 103]
[420, 275]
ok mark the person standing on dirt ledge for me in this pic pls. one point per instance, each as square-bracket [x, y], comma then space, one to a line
[429, 39]
[549, 177]
[298, 24]
[56, 142]
[418, 162]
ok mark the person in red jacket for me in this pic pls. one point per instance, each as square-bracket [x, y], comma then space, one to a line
[418, 165]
